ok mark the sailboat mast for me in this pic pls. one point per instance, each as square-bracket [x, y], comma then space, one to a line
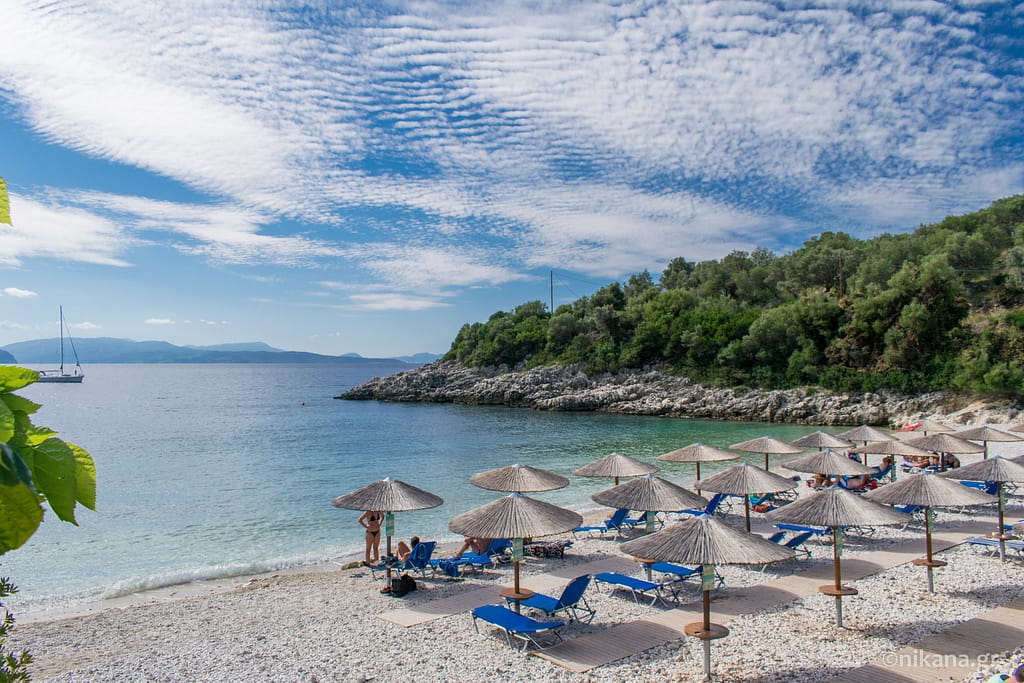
[62, 340]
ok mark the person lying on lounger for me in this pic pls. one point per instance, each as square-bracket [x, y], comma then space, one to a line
[477, 545]
[405, 548]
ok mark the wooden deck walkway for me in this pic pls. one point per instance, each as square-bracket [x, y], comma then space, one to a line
[467, 600]
[615, 642]
[950, 655]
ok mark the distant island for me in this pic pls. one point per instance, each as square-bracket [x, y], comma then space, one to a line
[111, 350]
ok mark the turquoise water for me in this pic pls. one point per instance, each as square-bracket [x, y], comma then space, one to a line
[207, 471]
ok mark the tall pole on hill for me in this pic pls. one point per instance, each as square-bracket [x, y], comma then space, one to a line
[551, 292]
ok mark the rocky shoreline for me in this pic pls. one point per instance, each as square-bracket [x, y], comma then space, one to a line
[651, 392]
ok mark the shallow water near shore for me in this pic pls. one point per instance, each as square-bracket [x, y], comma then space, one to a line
[209, 471]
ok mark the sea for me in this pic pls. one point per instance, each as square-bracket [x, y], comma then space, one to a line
[215, 471]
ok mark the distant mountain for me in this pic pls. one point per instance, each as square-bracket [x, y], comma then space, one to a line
[419, 358]
[110, 350]
[239, 346]
[6, 358]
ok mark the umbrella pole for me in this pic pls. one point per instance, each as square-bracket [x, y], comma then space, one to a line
[765, 462]
[837, 590]
[746, 509]
[704, 629]
[836, 535]
[928, 545]
[985, 444]
[1002, 542]
[697, 483]
[707, 627]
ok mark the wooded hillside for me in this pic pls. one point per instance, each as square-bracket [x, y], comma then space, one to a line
[939, 308]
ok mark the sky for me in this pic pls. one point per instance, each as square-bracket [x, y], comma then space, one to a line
[368, 177]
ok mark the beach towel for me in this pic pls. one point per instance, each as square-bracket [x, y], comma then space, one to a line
[449, 567]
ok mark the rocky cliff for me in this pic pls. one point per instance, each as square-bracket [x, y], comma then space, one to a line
[649, 392]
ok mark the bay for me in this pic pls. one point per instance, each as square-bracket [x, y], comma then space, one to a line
[210, 471]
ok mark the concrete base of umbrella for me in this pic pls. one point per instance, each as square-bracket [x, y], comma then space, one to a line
[837, 589]
[705, 630]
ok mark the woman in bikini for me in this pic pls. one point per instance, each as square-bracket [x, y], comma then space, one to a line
[371, 521]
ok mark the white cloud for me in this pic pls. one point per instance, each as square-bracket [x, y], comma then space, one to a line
[54, 232]
[392, 302]
[86, 326]
[158, 321]
[18, 293]
[11, 325]
[602, 138]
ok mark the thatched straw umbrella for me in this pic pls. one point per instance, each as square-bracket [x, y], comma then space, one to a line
[984, 434]
[928, 491]
[890, 447]
[836, 508]
[828, 463]
[389, 496]
[698, 453]
[706, 541]
[926, 426]
[521, 478]
[945, 443]
[999, 470]
[744, 479]
[616, 465]
[649, 494]
[821, 441]
[515, 516]
[766, 445]
[865, 433]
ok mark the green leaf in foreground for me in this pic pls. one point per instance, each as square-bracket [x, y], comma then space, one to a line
[36, 466]
[13, 470]
[19, 404]
[54, 475]
[13, 378]
[85, 476]
[20, 516]
[7, 423]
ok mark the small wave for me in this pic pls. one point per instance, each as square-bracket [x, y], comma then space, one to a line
[70, 600]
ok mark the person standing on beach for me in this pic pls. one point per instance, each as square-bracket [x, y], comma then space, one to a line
[371, 521]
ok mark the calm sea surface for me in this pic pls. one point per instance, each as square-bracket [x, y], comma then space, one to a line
[208, 471]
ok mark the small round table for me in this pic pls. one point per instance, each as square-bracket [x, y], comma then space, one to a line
[511, 594]
[925, 562]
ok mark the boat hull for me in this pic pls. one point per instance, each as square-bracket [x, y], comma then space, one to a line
[60, 379]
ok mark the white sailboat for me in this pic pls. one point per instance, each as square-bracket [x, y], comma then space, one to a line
[61, 376]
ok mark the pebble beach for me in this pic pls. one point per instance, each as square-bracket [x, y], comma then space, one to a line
[324, 624]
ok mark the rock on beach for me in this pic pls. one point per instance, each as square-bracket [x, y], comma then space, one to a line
[653, 392]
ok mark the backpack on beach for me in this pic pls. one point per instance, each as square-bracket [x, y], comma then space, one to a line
[402, 585]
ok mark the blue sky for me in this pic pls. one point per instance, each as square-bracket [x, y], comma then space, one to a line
[367, 178]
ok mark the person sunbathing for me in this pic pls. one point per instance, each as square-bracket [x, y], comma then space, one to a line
[477, 545]
[404, 549]
[820, 481]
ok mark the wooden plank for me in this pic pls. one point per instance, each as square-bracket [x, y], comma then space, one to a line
[950, 654]
[577, 655]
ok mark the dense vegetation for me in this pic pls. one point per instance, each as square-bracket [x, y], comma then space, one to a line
[939, 308]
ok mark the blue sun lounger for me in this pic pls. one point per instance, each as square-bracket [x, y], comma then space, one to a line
[571, 601]
[638, 587]
[682, 573]
[613, 523]
[517, 625]
[992, 544]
